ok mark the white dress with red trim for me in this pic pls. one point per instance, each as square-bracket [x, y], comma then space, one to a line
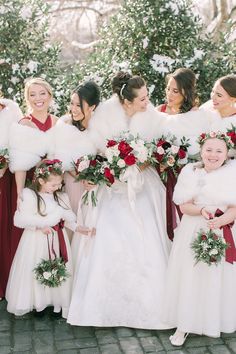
[200, 298]
[24, 293]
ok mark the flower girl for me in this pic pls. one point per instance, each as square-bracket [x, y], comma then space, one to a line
[201, 278]
[41, 272]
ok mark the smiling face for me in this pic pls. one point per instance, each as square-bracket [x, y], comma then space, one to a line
[173, 96]
[221, 100]
[213, 153]
[75, 108]
[140, 102]
[38, 98]
[51, 185]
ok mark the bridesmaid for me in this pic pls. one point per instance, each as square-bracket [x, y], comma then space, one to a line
[182, 118]
[223, 101]
[29, 142]
[9, 113]
[72, 140]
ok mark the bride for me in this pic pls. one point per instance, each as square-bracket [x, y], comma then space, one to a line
[120, 272]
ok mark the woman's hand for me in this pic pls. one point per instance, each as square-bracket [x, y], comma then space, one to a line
[88, 185]
[144, 165]
[84, 230]
[215, 223]
[206, 214]
[46, 230]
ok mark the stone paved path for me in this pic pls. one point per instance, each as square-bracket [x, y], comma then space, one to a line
[47, 335]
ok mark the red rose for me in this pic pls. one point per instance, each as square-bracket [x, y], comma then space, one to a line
[160, 142]
[181, 154]
[204, 238]
[124, 148]
[130, 160]
[203, 135]
[111, 143]
[215, 237]
[109, 175]
[232, 136]
[92, 163]
[158, 157]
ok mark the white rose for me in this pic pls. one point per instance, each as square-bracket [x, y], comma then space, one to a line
[160, 150]
[47, 275]
[121, 163]
[174, 149]
[213, 252]
[83, 165]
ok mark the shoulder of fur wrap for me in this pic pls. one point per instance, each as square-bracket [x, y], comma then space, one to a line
[27, 146]
[191, 123]
[186, 187]
[108, 121]
[220, 186]
[223, 124]
[27, 216]
[10, 114]
[147, 124]
[67, 143]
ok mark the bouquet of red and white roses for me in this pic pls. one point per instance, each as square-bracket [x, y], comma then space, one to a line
[94, 169]
[4, 158]
[128, 150]
[170, 155]
[209, 247]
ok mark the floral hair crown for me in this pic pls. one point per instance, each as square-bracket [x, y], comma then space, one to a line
[217, 135]
[47, 167]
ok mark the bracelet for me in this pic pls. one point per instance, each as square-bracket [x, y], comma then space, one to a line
[201, 210]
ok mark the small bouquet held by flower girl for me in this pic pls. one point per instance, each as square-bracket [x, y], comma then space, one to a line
[128, 150]
[170, 155]
[4, 158]
[96, 170]
[209, 247]
[51, 272]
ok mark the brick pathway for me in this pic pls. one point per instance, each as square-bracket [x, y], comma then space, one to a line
[30, 335]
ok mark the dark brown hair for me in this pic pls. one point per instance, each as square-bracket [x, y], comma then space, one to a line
[229, 84]
[90, 93]
[186, 83]
[125, 85]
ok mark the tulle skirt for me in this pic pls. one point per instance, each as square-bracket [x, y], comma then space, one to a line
[198, 298]
[24, 293]
[120, 272]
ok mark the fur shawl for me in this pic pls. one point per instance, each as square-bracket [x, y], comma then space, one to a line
[67, 143]
[190, 124]
[27, 147]
[10, 114]
[216, 188]
[28, 217]
[110, 120]
[222, 124]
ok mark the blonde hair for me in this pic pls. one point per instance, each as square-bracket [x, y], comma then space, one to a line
[37, 81]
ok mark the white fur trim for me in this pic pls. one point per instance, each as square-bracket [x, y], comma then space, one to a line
[10, 114]
[27, 146]
[68, 144]
[27, 216]
[190, 124]
[216, 188]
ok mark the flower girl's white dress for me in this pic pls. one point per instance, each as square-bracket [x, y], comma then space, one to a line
[24, 293]
[200, 298]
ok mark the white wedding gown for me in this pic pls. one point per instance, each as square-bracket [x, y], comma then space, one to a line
[120, 272]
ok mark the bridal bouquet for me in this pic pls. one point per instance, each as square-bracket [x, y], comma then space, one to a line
[127, 150]
[51, 273]
[209, 247]
[96, 170]
[4, 158]
[169, 155]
